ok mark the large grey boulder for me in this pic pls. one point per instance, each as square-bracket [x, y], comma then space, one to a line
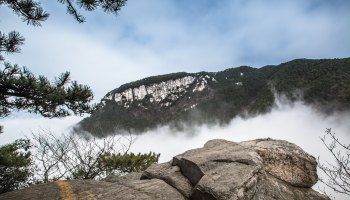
[269, 187]
[257, 169]
[262, 169]
[286, 161]
[219, 168]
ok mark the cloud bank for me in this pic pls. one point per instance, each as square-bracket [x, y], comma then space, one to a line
[294, 122]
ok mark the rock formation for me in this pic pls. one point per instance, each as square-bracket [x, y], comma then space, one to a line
[262, 169]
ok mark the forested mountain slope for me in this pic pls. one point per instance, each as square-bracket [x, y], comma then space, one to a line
[182, 99]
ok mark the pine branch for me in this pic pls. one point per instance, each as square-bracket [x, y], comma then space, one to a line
[112, 6]
[21, 90]
[72, 10]
[29, 10]
[10, 43]
[108, 6]
[89, 5]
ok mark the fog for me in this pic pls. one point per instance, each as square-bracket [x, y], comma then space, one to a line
[295, 122]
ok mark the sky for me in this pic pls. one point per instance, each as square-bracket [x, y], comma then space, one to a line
[152, 37]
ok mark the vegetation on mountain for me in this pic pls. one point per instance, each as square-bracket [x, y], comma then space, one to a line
[244, 91]
[325, 82]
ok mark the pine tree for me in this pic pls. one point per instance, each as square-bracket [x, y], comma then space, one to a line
[15, 165]
[22, 90]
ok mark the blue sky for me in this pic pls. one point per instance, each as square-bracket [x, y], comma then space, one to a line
[151, 37]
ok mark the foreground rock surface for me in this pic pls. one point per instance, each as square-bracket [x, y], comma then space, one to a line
[263, 169]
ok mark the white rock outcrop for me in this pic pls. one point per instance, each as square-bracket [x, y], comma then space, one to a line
[171, 89]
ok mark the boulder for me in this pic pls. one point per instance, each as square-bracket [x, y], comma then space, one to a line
[171, 175]
[269, 187]
[218, 168]
[286, 161]
[263, 169]
[257, 169]
[134, 189]
[124, 178]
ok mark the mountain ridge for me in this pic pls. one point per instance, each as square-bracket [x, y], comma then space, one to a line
[181, 99]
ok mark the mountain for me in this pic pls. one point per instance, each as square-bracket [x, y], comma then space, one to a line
[184, 99]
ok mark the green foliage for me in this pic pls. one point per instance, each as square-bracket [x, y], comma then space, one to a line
[323, 82]
[115, 164]
[127, 163]
[21, 90]
[15, 165]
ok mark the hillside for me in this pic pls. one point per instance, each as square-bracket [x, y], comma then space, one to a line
[182, 99]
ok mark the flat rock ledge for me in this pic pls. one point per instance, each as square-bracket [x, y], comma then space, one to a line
[263, 169]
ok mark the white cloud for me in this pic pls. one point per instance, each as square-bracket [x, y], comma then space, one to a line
[23, 126]
[156, 37]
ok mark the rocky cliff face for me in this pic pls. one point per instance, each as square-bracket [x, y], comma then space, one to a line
[164, 93]
[263, 169]
[183, 99]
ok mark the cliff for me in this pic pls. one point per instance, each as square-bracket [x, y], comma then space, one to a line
[262, 169]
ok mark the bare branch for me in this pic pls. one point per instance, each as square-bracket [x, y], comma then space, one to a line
[338, 174]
